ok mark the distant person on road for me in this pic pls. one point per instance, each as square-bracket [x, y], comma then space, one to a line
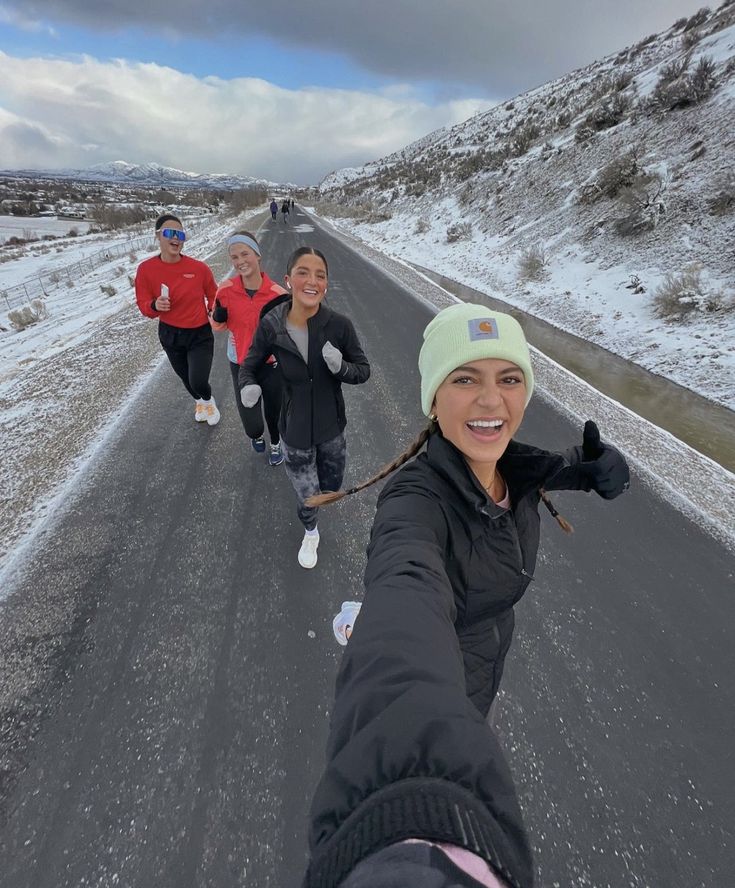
[285, 210]
[293, 203]
[239, 304]
[464, 514]
[179, 291]
[274, 210]
[317, 350]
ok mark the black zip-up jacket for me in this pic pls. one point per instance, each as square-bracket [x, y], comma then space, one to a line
[489, 552]
[409, 753]
[313, 409]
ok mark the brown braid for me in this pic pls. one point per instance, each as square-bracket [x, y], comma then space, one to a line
[326, 499]
[560, 519]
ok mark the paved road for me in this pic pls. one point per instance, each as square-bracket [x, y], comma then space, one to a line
[185, 661]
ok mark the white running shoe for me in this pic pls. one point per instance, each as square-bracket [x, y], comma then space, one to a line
[307, 552]
[344, 621]
[200, 412]
[212, 412]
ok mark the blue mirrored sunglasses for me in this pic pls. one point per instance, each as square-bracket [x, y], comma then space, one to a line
[169, 233]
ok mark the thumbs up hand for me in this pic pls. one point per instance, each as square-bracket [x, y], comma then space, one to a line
[603, 465]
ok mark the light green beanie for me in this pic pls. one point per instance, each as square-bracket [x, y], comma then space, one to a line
[463, 333]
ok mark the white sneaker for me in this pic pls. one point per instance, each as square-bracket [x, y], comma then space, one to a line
[344, 621]
[212, 412]
[200, 412]
[307, 552]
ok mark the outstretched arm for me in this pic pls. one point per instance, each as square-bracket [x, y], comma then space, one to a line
[408, 755]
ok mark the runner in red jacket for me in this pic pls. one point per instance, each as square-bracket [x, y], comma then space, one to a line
[240, 303]
[179, 291]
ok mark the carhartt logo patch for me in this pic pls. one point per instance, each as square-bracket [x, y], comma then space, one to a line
[187, 275]
[483, 328]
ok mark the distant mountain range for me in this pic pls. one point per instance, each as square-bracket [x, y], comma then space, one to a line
[151, 174]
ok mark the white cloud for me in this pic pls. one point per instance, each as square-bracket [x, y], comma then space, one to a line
[90, 111]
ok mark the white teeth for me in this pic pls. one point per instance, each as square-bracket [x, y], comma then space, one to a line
[486, 424]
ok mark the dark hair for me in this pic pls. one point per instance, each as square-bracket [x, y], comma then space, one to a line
[326, 499]
[305, 251]
[167, 217]
[246, 234]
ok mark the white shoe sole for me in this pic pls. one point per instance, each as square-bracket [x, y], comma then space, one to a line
[308, 565]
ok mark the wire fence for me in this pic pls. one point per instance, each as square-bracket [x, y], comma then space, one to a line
[41, 285]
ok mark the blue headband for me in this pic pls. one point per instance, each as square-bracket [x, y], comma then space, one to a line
[243, 239]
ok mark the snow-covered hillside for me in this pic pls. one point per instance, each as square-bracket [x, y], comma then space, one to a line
[603, 202]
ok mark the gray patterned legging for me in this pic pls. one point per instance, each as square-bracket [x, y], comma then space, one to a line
[320, 469]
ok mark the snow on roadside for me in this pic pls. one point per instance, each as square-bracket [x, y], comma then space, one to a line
[64, 380]
[692, 482]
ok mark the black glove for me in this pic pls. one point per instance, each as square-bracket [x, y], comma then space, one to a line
[603, 466]
[219, 315]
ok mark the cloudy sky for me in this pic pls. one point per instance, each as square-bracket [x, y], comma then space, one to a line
[275, 88]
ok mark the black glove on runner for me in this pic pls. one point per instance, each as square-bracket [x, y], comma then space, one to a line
[219, 315]
[604, 466]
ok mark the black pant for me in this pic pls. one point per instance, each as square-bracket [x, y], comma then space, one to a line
[269, 380]
[190, 352]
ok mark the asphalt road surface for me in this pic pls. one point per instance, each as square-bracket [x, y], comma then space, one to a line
[177, 727]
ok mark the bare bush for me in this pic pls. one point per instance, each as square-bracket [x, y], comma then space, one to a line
[108, 289]
[607, 114]
[683, 295]
[689, 88]
[673, 71]
[619, 173]
[112, 216]
[379, 214]
[523, 138]
[459, 231]
[533, 264]
[699, 18]
[73, 232]
[679, 24]
[20, 318]
[642, 204]
[421, 226]
[690, 39]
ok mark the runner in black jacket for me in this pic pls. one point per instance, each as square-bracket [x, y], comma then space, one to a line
[477, 490]
[317, 350]
[453, 547]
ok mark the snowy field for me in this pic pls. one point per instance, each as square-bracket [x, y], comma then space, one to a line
[63, 380]
[19, 226]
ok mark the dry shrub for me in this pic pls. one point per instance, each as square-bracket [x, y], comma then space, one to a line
[459, 231]
[523, 138]
[683, 295]
[533, 264]
[20, 318]
[422, 226]
[690, 39]
[619, 173]
[686, 88]
[108, 289]
[642, 204]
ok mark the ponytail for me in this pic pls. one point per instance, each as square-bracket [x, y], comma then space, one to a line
[326, 499]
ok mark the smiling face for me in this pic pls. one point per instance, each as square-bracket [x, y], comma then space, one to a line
[308, 282]
[170, 247]
[245, 261]
[479, 408]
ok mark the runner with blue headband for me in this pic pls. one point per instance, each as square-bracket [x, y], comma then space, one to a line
[179, 291]
[240, 302]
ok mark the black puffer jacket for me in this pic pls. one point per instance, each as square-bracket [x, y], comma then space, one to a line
[408, 754]
[313, 409]
[489, 552]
